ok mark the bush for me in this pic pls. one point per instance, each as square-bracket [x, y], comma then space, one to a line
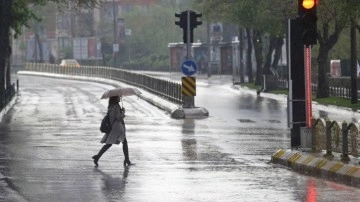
[149, 63]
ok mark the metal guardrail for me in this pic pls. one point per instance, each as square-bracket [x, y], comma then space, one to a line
[161, 87]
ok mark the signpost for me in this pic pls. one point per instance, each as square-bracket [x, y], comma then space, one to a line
[188, 20]
[188, 67]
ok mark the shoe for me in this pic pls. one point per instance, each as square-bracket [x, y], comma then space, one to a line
[128, 163]
[96, 159]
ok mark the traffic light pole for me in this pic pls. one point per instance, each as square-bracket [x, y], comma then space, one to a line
[296, 101]
[187, 21]
[189, 101]
[188, 44]
[302, 35]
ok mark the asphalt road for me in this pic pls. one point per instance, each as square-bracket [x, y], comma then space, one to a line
[48, 138]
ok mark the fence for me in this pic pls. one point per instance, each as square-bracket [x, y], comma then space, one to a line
[333, 136]
[334, 90]
[161, 87]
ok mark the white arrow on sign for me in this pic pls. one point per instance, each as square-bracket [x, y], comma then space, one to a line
[189, 68]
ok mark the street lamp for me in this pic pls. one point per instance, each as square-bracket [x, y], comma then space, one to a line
[115, 46]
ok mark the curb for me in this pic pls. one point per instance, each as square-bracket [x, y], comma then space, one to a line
[7, 107]
[309, 164]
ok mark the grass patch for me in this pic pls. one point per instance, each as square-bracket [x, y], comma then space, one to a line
[279, 92]
[250, 85]
[336, 101]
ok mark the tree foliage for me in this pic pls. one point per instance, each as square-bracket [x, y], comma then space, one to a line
[14, 14]
[263, 17]
[333, 17]
[269, 17]
[22, 11]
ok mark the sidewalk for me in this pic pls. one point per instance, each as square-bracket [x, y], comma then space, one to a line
[306, 162]
[316, 164]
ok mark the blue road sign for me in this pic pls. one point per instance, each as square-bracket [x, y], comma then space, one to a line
[188, 67]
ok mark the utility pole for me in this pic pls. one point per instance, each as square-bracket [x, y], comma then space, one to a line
[115, 45]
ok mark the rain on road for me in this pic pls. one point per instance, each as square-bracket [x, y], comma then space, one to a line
[48, 138]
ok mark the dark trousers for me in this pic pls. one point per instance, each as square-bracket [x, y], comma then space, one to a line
[107, 146]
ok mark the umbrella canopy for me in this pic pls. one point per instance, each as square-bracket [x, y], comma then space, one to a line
[120, 92]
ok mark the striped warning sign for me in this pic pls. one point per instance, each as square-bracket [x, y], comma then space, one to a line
[188, 86]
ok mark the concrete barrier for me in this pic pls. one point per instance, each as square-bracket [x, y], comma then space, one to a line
[318, 166]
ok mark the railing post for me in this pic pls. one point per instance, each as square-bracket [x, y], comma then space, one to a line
[345, 142]
[328, 140]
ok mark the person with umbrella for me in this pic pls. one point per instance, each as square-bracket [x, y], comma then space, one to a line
[117, 133]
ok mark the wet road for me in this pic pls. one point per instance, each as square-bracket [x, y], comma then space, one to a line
[48, 138]
[223, 84]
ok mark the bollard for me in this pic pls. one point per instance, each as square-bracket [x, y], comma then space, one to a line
[328, 139]
[17, 85]
[345, 145]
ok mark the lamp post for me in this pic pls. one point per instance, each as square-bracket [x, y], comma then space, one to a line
[115, 47]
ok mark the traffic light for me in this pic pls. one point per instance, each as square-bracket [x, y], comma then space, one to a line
[188, 20]
[182, 19]
[194, 19]
[194, 23]
[182, 23]
[307, 13]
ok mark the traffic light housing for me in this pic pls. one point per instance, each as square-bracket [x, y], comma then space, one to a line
[182, 19]
[307, 14]
[182, 23]
[188, 21]
[194, 19]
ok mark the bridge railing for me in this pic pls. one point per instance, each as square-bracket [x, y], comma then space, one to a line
[164, 88]
[337, 137]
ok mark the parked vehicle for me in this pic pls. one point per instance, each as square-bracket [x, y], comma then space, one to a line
[69, 62]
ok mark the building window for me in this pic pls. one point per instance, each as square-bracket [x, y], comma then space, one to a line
[63, 22]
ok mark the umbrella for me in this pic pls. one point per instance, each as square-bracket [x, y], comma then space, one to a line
[120, 92]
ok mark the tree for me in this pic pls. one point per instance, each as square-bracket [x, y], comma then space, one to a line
[333, 17]
[259, 17]
[14, 14]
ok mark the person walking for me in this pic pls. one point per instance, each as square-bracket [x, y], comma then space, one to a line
[117, 133]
